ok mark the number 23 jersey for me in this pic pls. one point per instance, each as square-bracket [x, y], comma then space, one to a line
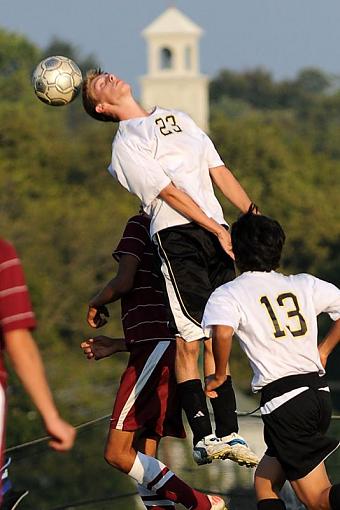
[148, 153]
[275, 319]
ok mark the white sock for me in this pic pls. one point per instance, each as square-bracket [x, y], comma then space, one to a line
[145, 469]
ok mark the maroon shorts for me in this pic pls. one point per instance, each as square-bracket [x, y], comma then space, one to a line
[146, 398]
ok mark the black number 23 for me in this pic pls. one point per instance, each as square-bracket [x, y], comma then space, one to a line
[168, 125]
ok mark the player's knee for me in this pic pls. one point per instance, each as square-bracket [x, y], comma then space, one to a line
[116, 457]
[111, 457]
[315, 502]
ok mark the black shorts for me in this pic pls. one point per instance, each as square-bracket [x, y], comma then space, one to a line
[294, 432]
[193, 264]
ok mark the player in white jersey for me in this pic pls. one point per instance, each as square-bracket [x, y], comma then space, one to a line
[170, 164]
[275, 319]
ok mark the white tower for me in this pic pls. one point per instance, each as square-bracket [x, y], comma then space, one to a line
[173, 79]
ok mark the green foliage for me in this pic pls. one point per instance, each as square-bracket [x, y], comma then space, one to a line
[65, 214]
[312, 81]
[61, 47]
[258, 89]
[288, 161]
[282, 141]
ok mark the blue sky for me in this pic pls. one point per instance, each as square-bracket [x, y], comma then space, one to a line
[282, 36]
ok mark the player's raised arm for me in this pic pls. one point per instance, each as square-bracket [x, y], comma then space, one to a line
[180, 201]
[230, 187]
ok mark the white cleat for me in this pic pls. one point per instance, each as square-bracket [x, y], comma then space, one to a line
[239, 451]
[217, 503]
[210, 448]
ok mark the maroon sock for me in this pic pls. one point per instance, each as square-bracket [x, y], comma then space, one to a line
[178, 491]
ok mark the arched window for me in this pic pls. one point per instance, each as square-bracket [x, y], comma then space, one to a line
[166, 58]
[188, 58]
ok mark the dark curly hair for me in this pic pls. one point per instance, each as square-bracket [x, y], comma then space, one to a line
[257, 242]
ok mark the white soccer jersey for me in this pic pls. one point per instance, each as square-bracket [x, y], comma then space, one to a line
[274, 317]
[167, 146]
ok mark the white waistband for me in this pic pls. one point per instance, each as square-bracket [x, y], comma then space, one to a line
[276, 402]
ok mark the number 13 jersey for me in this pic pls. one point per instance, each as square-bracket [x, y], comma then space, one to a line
[166, 146]
[275, 319]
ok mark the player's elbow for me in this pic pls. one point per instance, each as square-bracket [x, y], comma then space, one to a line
[167, 193]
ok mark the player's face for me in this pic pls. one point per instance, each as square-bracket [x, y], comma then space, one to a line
[108, 88]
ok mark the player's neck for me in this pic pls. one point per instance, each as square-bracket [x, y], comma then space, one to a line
[130, 109]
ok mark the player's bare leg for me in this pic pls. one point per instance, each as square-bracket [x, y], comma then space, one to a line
[187, 354]
[224, 406]
[269, 480]
[153, 474]
[119, 451]
[313, 489]
[148, 444]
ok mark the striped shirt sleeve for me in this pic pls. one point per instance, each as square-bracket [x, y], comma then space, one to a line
[15, 304]
[135, 238]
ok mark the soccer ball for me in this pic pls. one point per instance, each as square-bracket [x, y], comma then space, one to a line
[57, 80]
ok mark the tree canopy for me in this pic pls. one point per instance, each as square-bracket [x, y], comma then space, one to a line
[64, 213]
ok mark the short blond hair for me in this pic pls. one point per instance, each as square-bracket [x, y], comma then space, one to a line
[89, 101]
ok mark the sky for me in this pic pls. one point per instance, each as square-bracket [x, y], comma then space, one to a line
[281, 36]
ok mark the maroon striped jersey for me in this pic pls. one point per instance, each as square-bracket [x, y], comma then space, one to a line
[15, 304]
[144, 314]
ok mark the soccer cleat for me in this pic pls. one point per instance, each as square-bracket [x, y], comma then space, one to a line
[239, 451]
[217, 503]
[12, 499]
[210, 448]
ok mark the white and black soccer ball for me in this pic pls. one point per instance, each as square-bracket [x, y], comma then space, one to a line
[57, 80]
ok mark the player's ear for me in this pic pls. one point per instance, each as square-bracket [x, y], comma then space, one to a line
[99, 108]
[104, 108]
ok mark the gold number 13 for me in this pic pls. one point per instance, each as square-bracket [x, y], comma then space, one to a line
[295, 312]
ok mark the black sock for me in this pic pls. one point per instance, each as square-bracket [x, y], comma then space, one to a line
[271, 504]
[334, 497]
[194, 403]
[224, 406]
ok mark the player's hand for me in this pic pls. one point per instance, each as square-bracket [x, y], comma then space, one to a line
[62, 434]
[100, 347]
[96, 316]
[211, 383]
[225, 241]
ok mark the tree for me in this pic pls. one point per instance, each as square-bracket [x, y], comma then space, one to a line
[312, 81]
[60, 47]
